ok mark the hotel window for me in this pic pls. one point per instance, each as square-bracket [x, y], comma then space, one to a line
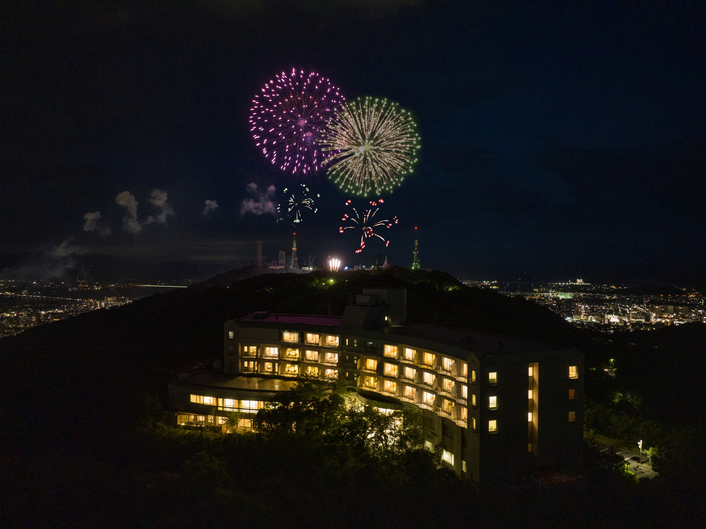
[313, 339]
[448, 363]
[390, 351]
[371, 364]
[572, 416]
[410, 373]
[332, 341]
[473, 424]
[391, 370]
[492, 377]
[331, 358]
[250, 350]
[272, 352]
[268, 367]
[390, 386]
[530, 371]
[529, 394]
[410, 392]
[230, 404]
[529, 416]
[493, 403]
[428, 398]
[464, 369]
[311, 356]
[292, 354]
[447, 384]
[464, 391]
[428, 378]
[249, 365]
[573, 372]
[331, 373]
[463, 465]
[231, 335]
[370, 382]
[529, 448]
[250, 405]
[447, 457]
[409, 354]
[290, 337]
[312, 371]
[492, 426]
[200, 399]
[473, 400]
[473, 376]
[428, 359]
[447, 405]
[463, 413]
[572, 394]
[291, 369]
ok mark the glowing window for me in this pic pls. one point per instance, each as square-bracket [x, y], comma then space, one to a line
[463, 464]
[473, 423]
[428, 359]
[332, 358]
[230, 403]
[429, 398]
[428, 378]
[447, 457]
[332, 341]
[370, 382]
[529, 447]
[201, 399]
[250, 405]
[448, 363]
[313, 339]
[390, 386]
[290, 337]
[464, 391]
[371, 364]
[291, 369]
[272, 352]
[529, 416]
[391, 370]
[409, 354]
[331, 373]
[249, 365]
[292, 354]
[410, 392]
[573, 372]
[448, 384]
[473, 376]
[410, 373]
[269, 367]
[529, 394]
[492, 426]
[463, 413]
[572, 394]
[530, 371]
[447, 405]
[493, 377]
[231, 335]
[572, 416]
[390, 351]
[473, 400]
[464, 369]
[311, 356]
[250, 350]
[312, 371]
[493, 403]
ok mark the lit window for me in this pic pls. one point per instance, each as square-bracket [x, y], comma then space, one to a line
[493, 403]
[429, 398]
[290, 337]
[231, 335]
[391, 370]
[447, 457]
[272, 352]
[473, 376]
[332, 358]
[428, 359]
[331, 373]
[463, 465]
[529, 394]
[463, 413]
[249, 365]
[492, 426]
[311, 356]
[331, 341]
[572, 416]
[464, 369]
[428, 378]
[529, 448]
[269, 367]
[410, 373]
[493, 377]
[473, 400]
[312, 371]
[312, 338]
[200, 399]
[371, 364]
[448, 384]
[410, 392]
[370, 382]
[250, 405]
[230, 404]
[390, 351]
[448, 363]
[529, 416]
[530, 371]
[464, 391]
[250, 350]
[573, 372]
[390, 386]
[572, 394]
[447, 405]
[409, 354]
[473, 424]
[291, 369]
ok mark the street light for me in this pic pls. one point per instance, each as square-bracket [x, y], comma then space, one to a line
[639, 443]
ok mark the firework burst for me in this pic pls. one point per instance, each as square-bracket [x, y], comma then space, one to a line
[288, 117]
[371, 145]
[298, 200]
[366, 223]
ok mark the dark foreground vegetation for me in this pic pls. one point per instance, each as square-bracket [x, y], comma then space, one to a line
[85, 442]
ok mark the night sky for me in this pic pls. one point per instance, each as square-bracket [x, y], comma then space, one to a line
[560, 140]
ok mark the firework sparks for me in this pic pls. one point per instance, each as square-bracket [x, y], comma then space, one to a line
[297, 201]
[371, 145]
[288, 117]
[366, 223]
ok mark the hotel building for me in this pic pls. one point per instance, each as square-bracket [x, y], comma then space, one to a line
[496, 407]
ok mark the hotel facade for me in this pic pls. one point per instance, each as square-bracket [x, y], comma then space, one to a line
[496, 408]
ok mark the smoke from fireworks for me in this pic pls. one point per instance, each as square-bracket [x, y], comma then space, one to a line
[297, 201]
[367, 223]
[288, 118]
[370, 146]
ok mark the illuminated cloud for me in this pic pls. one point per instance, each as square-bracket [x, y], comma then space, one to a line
[260, 202]
[129, 204]
[158, 199]
[91, 224]
[210, 206]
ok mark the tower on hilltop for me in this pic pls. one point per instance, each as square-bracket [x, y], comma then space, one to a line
[415, 262]
[295, 261]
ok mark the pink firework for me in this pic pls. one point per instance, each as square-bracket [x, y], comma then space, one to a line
[367, 223]
[289, 116]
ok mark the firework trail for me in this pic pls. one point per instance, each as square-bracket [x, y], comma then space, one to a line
[298, 202]
[288, 117]
[370, 146]
[367, 223]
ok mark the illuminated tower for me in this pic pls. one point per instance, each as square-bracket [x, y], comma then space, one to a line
[295, 261]
[415, 263]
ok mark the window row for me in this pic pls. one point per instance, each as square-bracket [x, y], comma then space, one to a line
[287, 369]
[290, 353]
[310, 338]
[245, 406]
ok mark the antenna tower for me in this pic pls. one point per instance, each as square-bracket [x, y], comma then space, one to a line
[295, 261]
[415, 263]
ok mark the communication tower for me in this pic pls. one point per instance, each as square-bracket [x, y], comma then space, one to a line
[295, 261]
[415, 262]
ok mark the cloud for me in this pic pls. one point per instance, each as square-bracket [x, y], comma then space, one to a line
[52, 263]
[260, 202]
[91, 224]
[158, 199]
[210, 206]
[129, 204]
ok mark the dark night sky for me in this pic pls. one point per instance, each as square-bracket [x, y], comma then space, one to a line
[559, 139]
